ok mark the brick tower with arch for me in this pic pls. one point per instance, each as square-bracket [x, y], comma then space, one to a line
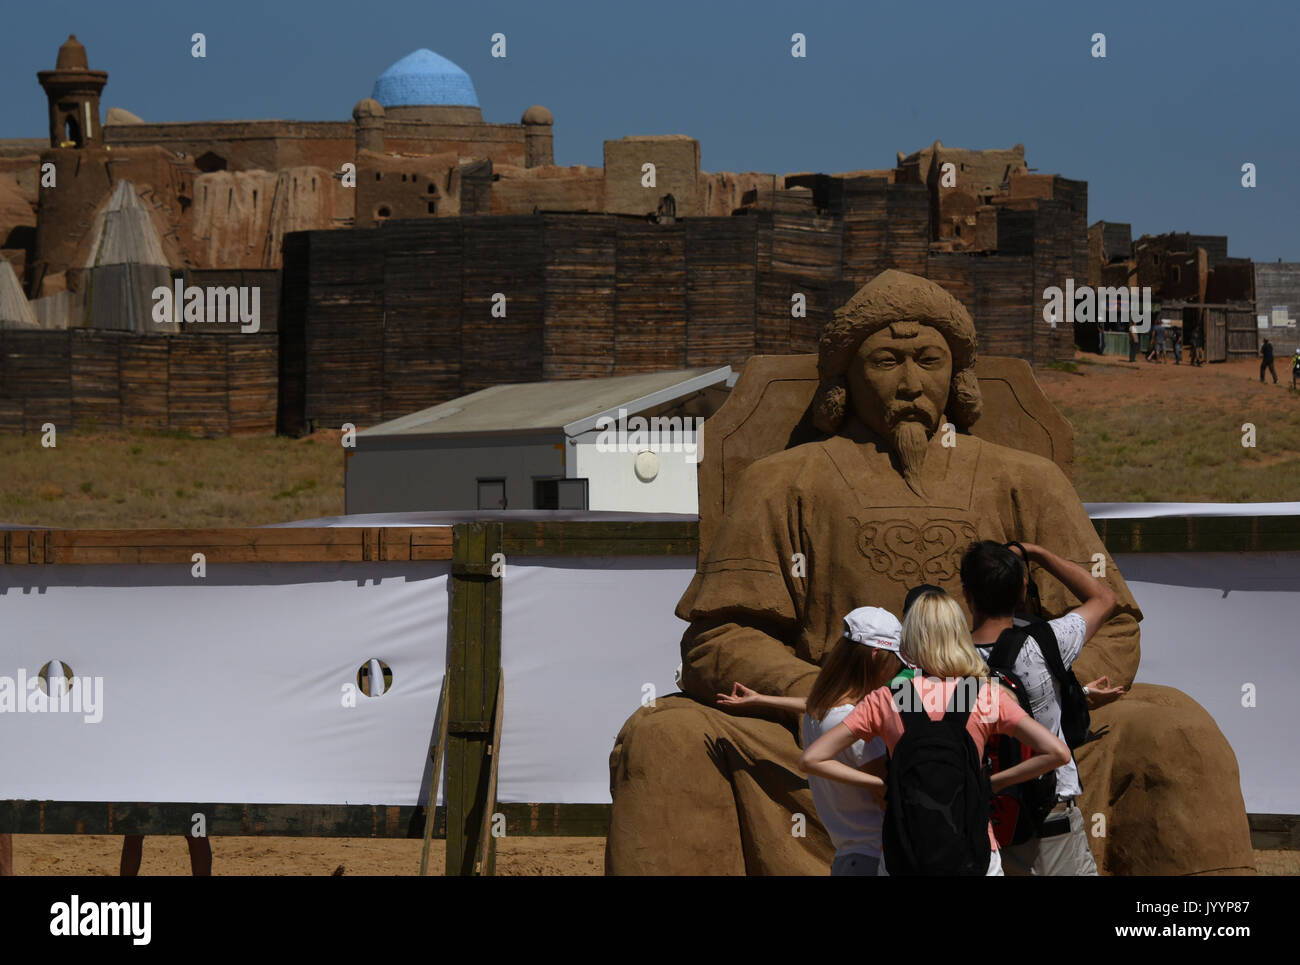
[73, 90]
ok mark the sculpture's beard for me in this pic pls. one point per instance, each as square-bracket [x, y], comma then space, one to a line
[911, 439]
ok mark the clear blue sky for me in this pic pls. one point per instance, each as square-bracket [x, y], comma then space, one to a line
[1188, 92]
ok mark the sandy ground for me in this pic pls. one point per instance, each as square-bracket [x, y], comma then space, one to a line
[60, 854]
[91, 854]
[1113, 380]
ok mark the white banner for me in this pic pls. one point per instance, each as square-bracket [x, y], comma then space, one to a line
[583, 643]
[582, 638]
[230, 688]
[1221, 627]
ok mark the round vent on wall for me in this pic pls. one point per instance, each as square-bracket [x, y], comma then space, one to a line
[646, 465]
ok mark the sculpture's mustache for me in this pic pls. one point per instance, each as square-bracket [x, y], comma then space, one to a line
[898, 412]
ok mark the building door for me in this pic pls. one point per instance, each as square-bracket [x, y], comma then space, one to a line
[491, 494]
[1243, 334]
[1216, 335]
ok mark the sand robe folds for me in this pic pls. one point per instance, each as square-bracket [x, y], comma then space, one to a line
[815, 531]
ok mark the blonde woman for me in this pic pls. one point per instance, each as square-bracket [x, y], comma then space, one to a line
[935, 727]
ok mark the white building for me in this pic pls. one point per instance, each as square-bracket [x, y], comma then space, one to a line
[629, 443]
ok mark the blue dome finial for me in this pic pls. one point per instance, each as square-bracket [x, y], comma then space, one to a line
[424, 78]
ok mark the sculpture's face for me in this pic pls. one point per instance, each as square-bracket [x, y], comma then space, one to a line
[901, 374]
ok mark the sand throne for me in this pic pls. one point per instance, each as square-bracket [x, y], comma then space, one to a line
[768, 410]
[1140, 770]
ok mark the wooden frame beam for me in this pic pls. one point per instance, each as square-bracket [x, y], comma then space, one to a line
[473, 681]
[485, 855]
[403, 544]
[287, 820]
[574, 538]
[1200, 534]
[326, 544]
[436, 753]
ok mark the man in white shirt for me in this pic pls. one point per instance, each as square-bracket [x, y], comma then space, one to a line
[994, 581]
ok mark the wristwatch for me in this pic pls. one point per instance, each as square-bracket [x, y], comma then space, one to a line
[1086, 691]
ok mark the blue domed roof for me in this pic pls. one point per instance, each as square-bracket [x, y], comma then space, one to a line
[424, 78]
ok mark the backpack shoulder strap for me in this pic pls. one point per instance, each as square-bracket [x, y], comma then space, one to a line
[1008, 646]
[1042, 633]
[961, 704]
[908, 701]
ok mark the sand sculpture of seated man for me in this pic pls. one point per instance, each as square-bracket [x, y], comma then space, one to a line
[880, 505]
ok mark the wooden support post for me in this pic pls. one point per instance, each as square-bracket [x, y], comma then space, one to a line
[436, 752]
[485, 860]
[473, 681]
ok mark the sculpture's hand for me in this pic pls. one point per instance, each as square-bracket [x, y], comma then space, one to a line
[740, 697]
[714, 659]
[1099, 694]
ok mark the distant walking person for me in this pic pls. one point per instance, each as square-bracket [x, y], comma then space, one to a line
[1266, 353]
[1160, 342]
[1177, 341]
[1132, 343]
[1295, 367]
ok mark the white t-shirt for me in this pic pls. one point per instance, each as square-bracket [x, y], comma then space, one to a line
[1044, 692]
[850, 814]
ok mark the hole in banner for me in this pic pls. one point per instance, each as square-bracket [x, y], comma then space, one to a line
[374, 678]
[59, 667]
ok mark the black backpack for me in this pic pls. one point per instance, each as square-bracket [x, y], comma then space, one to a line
[937, 797]
[1018, 811]
[1076, 722]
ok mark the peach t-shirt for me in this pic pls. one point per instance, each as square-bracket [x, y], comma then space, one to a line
[995, 712]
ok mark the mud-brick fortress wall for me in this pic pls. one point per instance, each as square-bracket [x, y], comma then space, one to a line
[266, 145]
[270, 145]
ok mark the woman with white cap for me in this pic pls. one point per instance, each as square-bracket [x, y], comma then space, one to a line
[865, 657]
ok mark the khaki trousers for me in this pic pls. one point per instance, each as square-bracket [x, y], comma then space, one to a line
[1060, 855]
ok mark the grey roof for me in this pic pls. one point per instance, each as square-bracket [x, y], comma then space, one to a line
[15, 309]
[571, 406]
[451, 517]
[123, 233]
